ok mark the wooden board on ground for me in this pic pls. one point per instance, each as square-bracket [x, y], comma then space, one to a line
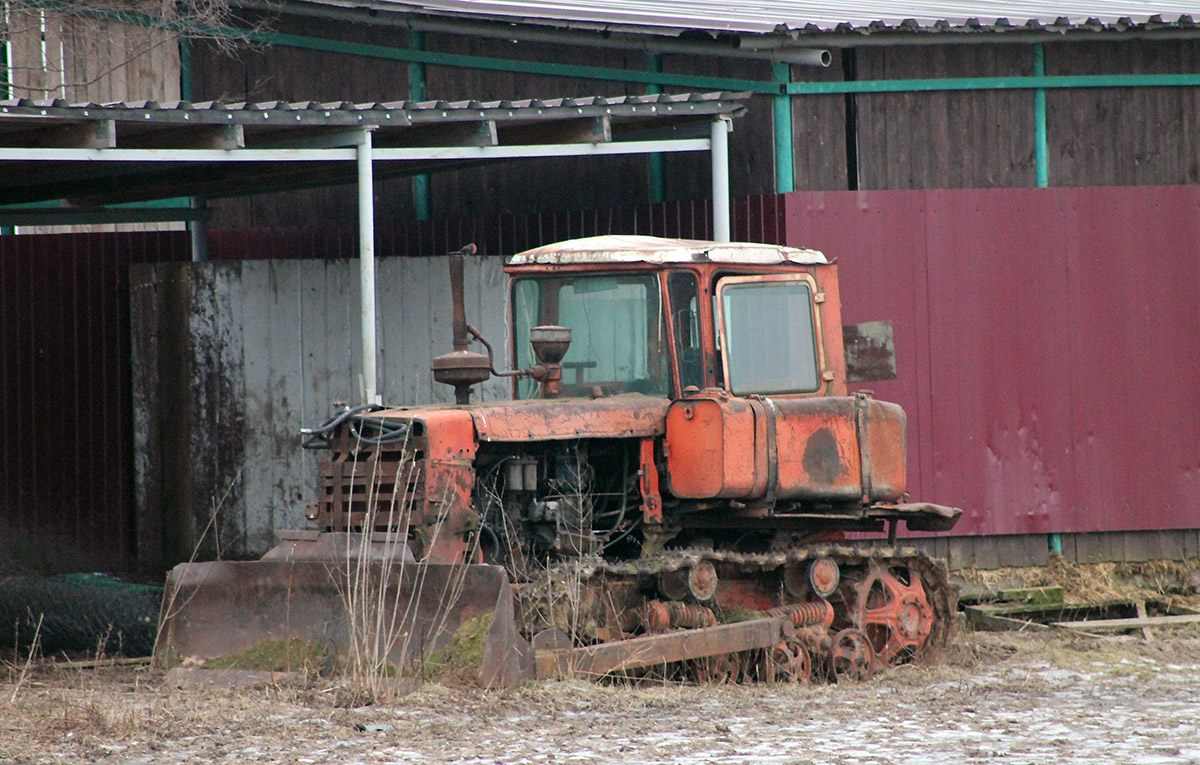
[1130, 624]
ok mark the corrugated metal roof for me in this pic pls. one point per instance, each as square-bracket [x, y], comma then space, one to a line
[808, 16]
[393, 113]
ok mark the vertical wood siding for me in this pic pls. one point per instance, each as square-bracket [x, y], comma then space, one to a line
[541, 187]
[819, 159]
[91, 60]
[1126, 136]
[269, 347]
[945, 139]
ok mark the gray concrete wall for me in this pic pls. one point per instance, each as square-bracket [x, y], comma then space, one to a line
[231, 359]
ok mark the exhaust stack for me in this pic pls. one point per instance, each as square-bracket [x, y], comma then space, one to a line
[461, 368]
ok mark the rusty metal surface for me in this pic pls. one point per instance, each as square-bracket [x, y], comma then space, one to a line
[827, 448]
[652, 650]
[711, 449]
[223, 609]
[610, 417]
[1047, 362]
[893, 612]
[870, 351]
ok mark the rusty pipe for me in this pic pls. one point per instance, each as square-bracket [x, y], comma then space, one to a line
[457, 296]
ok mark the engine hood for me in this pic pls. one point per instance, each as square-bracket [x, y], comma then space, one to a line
[561, 419]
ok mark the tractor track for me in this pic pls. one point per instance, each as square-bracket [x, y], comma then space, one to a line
[564, 581]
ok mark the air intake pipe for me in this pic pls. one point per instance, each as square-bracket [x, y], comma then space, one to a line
[463, 368]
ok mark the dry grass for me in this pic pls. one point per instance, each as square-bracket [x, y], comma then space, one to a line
[116, 713]
[1094, 582]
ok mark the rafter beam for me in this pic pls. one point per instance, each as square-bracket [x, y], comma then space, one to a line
[590, 130]
[218, 137]
[84, 134]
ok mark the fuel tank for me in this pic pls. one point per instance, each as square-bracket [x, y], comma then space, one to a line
[827, 449]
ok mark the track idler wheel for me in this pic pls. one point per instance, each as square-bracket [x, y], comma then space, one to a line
[722, 669]
[787, 662]
[891, 609]
[851, 657]
[820, 577]
[698, 581]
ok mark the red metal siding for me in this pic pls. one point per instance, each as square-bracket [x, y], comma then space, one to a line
[66, 456]
[1046, 342]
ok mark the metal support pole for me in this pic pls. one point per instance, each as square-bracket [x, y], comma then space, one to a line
[1041, 151]
[198, 230]
[366, 266]
[720, 178]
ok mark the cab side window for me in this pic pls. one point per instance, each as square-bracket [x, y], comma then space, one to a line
[683, 294]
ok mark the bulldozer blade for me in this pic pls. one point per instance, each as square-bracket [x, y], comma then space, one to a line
[224, 610]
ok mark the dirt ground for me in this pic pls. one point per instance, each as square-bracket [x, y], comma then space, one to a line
[1002, 697]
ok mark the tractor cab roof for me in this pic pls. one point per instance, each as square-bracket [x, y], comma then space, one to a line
[653, 249]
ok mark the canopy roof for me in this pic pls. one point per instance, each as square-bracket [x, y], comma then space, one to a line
[98, 154]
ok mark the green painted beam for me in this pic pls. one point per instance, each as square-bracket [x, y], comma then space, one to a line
[5, 82]
[488, 63]
[658, 169]
[785, 180]
[725, 83]
[997, 83]
[422, 190]
[185, 69]
[1041, 149]
[150, 204]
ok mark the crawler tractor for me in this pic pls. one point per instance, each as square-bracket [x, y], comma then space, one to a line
[668, 491]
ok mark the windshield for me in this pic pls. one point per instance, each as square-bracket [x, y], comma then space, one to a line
[768, 335]
[618, 340]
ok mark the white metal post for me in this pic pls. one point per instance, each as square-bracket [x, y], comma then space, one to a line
[720, 178]
[366, 265]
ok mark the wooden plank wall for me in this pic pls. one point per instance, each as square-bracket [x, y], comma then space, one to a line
[977, 139]
[267, 347]
[57, 55]
[945, 139]
[527, 186]
[567, 183]
[819, 142]
[1127, 136]
[1143, 136]
[234, 73]
[1000, 551]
